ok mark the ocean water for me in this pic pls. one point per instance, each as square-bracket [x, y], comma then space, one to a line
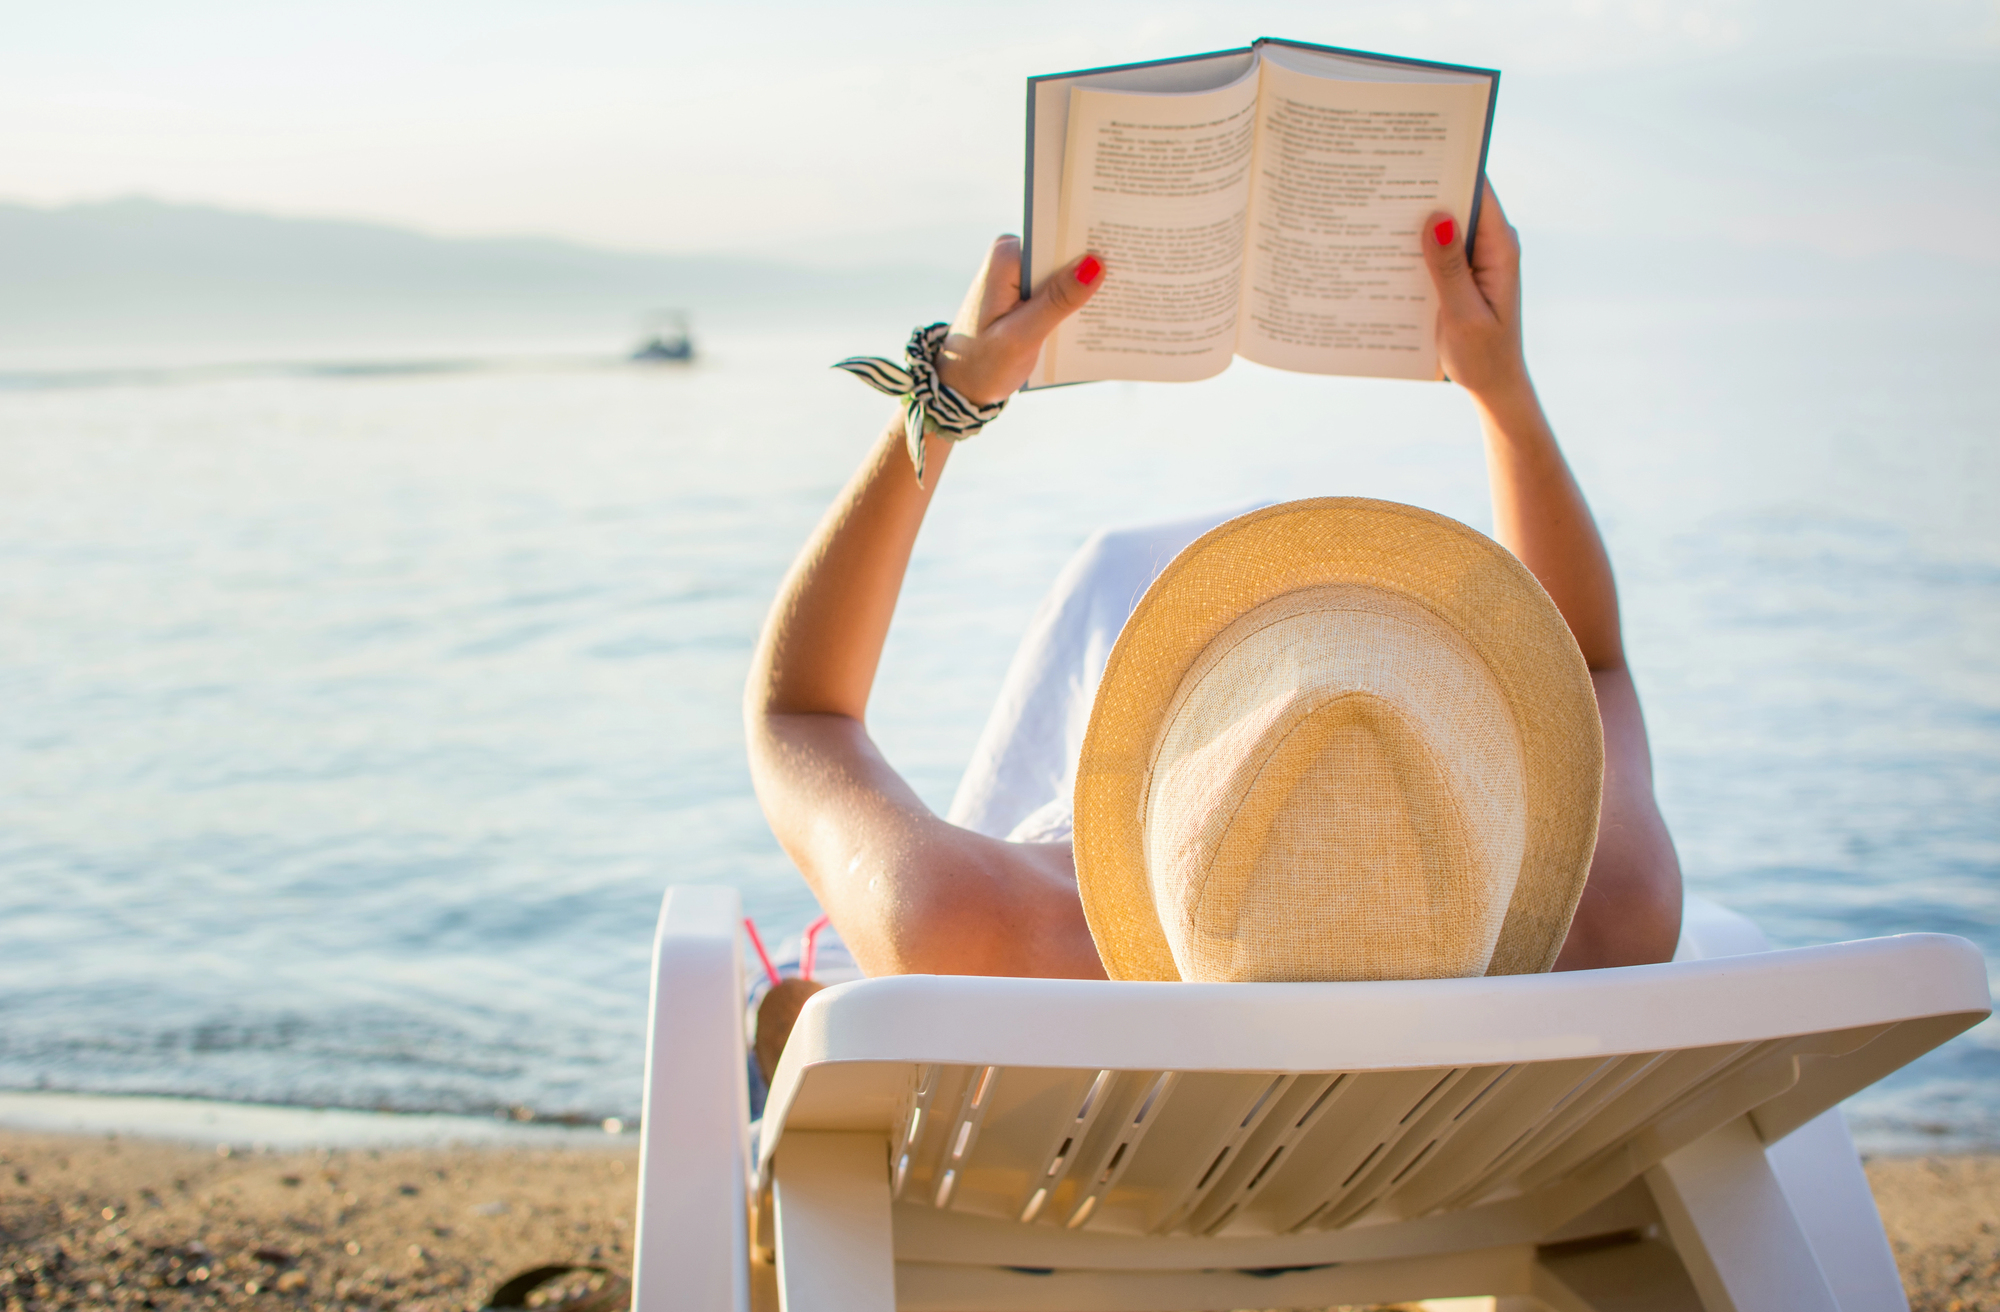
[355, 723]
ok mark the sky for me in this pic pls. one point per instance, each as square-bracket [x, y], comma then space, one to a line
[856, 130]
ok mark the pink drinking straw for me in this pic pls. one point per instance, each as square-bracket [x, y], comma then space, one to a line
[810, 951]
[750, 927]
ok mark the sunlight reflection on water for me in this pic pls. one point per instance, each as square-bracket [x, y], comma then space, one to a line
[356, 724]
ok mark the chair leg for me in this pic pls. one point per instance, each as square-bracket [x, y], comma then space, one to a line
[1816, 1164]
[835, 1249]
[1821, 1174]
[1734, 1229]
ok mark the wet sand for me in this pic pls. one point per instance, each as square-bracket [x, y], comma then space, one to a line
[97, 1221]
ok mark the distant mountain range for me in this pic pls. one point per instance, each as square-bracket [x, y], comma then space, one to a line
[131, 272]
[107, 280]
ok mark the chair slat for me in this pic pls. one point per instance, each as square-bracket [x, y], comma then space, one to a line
[1194, 1138]
[957, 1145]
[909, 1125]
[1064, 1145]
[1422, 1130]
[1221, 1148]
[1265, 1157]
[1120, 1150]
[1667, 1080]
[1375, 1111]
[1571, 1109]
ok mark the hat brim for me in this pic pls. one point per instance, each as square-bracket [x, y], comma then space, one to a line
[1468, 581]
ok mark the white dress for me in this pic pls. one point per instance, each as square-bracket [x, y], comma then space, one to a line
[1021, 775]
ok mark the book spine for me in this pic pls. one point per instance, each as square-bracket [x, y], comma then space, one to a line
[1028, 195]
[1479, 177]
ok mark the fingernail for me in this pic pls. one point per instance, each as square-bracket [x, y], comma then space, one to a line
[1086, 273]
[1445, 231]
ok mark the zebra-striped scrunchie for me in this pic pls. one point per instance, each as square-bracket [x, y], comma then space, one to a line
[928, 405]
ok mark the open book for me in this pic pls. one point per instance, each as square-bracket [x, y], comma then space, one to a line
[1262, 202]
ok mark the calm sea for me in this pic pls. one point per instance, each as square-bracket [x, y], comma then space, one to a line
[354, 724]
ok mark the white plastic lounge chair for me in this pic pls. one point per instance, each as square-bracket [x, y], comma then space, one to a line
[1652, 1137]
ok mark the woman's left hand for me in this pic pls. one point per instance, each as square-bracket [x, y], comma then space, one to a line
[997, 336]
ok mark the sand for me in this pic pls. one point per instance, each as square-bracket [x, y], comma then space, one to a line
[98, 1221]
[1943, 1218]
[131, 1223]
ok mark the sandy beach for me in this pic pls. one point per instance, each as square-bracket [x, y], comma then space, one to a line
[131, 1223]
[119, 1222]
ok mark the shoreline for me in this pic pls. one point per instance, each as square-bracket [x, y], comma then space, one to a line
[117, 1220]
[255, 1125]
[193, 1118]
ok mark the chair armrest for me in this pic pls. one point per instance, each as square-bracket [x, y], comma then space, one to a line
[692, 1242]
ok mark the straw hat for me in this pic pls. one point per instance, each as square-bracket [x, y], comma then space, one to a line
[1338, 739]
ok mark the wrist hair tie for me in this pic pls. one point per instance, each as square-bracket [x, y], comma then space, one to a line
[929, 406]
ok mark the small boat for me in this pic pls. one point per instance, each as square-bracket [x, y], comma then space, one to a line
[667, 341]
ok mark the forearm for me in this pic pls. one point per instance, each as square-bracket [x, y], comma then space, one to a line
[823, 640]
[1538, 512]
[1630, 910]
[1540, 515]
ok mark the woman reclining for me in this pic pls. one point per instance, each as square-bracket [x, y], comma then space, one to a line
[911, 892]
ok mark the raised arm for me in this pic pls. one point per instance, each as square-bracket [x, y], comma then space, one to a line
[1631, 907]
[909, 892]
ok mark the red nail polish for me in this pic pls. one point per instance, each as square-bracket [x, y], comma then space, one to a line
[1086, 273]
[1445, 231]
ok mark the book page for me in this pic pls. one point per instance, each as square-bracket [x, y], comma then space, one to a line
[1346, 171]
[1048, 134]
[1159, 186]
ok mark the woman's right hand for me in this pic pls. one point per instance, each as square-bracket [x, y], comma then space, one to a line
[997, 336]
[1479, 304]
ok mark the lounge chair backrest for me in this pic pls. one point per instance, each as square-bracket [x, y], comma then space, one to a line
[1274, 1117]
[937, 1144]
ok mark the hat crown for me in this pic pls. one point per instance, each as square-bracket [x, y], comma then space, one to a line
[1332, 694]
[1339, 777]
